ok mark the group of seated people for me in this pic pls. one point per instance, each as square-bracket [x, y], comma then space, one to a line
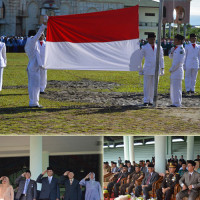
[182, 179]
[50, 190]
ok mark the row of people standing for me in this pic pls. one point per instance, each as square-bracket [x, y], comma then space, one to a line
[27, 188]
[183, 59]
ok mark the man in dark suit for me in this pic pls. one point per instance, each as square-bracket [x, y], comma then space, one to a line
[117, 181]
[50, 189]
[27, 188]
[72, 187]
[150, 177]
[145, 169]
[131, 169]
[190, 183]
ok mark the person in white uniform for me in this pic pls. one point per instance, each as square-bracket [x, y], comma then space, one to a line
[41, 57]
[33, 68]
[191, 66]
[177, 74]
[149, 52]
[3, 62]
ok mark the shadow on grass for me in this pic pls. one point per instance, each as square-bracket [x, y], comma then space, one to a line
[4, 95]
[88, 109]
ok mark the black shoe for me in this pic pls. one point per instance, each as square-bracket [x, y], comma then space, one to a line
[37, 106]
[172, 106]
[150, 104]
[192, 92]
[145, 104]
[42, 93]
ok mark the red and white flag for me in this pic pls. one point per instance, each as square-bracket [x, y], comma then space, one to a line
[107, 40]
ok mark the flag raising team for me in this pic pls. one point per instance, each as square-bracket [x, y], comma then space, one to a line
[182, 59]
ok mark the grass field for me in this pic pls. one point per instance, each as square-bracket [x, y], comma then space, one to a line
[68, 118]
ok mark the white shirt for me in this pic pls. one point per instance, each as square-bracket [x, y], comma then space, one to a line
[50, 178]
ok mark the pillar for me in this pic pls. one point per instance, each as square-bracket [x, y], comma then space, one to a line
[126, 148]
[178, 28]
[190, 147]
[45, 160]
[169, 146]
[185, 29]
[160, 154]
[131, 149]
[35, 156]
[170, 30]
[164, 30]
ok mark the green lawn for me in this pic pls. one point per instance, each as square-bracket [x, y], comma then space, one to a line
[69, 118]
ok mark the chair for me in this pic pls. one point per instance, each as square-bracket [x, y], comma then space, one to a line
[177, 189]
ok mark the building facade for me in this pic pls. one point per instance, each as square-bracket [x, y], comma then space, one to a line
[17, 17]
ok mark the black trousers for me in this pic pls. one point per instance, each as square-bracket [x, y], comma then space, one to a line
[130, 188]
[138, 191]
[168, 194]
[116, 188]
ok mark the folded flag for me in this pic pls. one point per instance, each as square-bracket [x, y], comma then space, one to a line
[107, 40]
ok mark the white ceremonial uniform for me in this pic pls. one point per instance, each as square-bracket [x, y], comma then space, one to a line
[177, 75]
[149, 69]
[191, 66]
[41, 58]
[3, 62]
[33, 68]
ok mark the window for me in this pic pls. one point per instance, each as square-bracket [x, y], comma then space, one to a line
[149, 14]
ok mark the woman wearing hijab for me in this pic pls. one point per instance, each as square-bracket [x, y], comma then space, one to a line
[93, 188]
[6, 190]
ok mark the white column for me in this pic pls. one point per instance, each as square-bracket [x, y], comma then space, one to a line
[131, 149]
[45, 160]
[190, 147]
[169, 146]
[160, 154]
[170, 29]
[126, 148]
[35, 156]
[185, 30]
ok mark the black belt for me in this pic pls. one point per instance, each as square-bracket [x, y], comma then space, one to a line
[23, 195]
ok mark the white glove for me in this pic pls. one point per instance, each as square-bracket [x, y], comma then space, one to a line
[141, 72]
[162, 72]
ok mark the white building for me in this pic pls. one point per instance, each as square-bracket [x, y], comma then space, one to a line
[17, 17]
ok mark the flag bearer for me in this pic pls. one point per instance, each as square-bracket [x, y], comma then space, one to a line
[41, 57]
[3, 62]
[177, 74]
[149, 51]
[191, 66]
[33, 68]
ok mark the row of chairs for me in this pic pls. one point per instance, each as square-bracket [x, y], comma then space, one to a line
[156, 185]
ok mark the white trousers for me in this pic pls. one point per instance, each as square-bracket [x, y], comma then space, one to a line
[190, 79]
[43, 79]
[148, 88]
[1, 77]
[34, 87]
[176, 92]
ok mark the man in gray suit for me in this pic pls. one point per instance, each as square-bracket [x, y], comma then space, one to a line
[72, 187]
[150, 177]
[190, 183]
[27, 189]
[50, 189]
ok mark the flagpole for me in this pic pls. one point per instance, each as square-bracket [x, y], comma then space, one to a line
[158, 54]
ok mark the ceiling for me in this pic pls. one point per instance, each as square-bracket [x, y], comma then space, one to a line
[12, 146]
